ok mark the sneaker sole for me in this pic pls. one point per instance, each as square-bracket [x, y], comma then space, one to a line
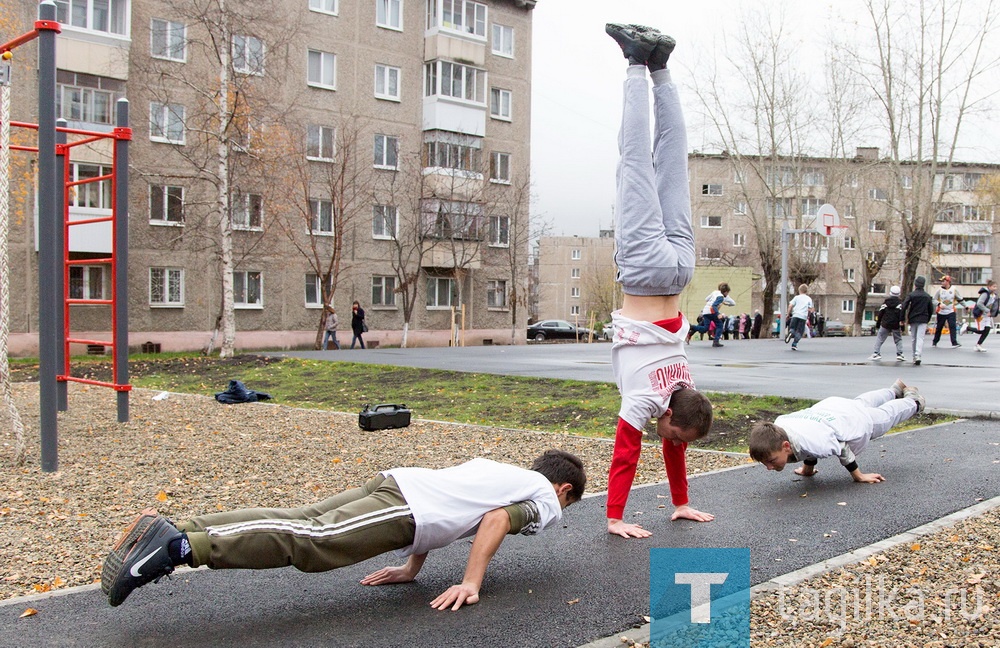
[116, 558]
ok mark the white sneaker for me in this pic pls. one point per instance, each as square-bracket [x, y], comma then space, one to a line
[875, 356]
[899, 357]
[979, 347]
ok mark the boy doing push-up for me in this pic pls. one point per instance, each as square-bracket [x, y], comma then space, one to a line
[655, 256]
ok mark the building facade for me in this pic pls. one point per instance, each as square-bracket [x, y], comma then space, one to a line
[321, 150]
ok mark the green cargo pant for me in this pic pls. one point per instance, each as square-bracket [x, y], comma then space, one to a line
[342, 530]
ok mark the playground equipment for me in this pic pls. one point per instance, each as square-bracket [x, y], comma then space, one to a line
[54, 226]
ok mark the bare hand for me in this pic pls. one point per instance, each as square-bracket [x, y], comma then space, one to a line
[688, 513]
[869, 478]
[618, 527]
[455, 597]
[806, 471]
[388, 575]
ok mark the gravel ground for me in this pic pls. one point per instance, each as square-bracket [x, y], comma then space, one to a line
[188, 455]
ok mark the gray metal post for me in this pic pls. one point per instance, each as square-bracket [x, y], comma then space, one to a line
[121, 260]
[60, 303]
[49, 257]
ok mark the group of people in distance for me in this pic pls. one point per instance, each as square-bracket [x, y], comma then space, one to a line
[415, 510]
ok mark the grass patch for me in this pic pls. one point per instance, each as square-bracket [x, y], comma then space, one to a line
[567, 406]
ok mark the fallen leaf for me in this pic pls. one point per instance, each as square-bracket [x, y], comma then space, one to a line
[841, 503]
[915, 546]
[161, 496]
[573, 602]
[29, 612]
[58, 582]
[793, 539]
[975, 579]
[826, 642]
[872, 561]
[804, 495]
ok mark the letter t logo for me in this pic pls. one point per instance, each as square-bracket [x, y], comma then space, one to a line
[701, 597]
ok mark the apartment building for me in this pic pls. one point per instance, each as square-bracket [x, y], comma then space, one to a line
[576, 278]
[373, 149]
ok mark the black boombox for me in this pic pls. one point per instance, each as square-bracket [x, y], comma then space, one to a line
[381, 417]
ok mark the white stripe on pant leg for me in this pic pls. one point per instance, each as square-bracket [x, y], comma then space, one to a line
[298, 528]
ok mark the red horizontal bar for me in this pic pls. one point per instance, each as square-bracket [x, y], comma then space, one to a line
[89, 301]
[15, 147]
[20, 40]
[89, 261]
[107, 176]
[82, 341]
[24, 125]
[87, 140]
[88, 221]
[99, 383]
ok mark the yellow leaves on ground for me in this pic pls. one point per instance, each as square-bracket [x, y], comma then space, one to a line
[29, 612]
[915, 546]
[41, 588]
[826, 642]
[161, 496]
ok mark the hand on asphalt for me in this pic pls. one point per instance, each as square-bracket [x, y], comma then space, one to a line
[688, 513]
[870, 478]
[388, 575]
[618, 527]
[455, 597]
[805, 471]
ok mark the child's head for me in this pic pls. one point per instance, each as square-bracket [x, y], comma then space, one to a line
[770, 446]
[803, 289]
[689, 417]
[724, 288]
[561, 467]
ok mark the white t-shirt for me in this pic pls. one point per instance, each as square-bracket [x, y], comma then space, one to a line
[649, 364]
[833, 427]
[449, 504]
[800, 305]
[946, 299]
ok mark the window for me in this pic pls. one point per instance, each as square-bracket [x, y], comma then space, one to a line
[576, 255]
[452, 219]
[452, 151]
[166, 205]
[166, 287]
[906, 181]
[811, 240]
[458, 15]
[247, 287]
[109, 16]
[248, 55]
[780, 207]
[780, 176]
[314, 290]
[810, 206]
[248, 211]
[500, 232]
[971, 213]
[496, 293]
[872, 257]
[320, 142]
[971, 180]
[503, 40]
[849, 275]
[574, 273]
[849, 243]
[500, 167]
[454, 80]
[86, 282]
[87, 98]
[322, 70]
[91, 195]
[879, 288]
[813, 177]
[854, 181]
[441, 292]
[574, 310]
[386, 151]
[878, 194]
[384, 222]
[324, 6]
[740, 207]
[500, 103]
[389, 14]
[383, 291]
[876, 226]
[739, 240]
[574, 292]
[710, 254]
[847, 306]
[711, 221]
[321, 216]
[166, 123]
[849, 210]
[168, 39]
[738, 176]
[386, 82]
[711, 190]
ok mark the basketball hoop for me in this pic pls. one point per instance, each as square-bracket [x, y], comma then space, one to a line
[827, 220]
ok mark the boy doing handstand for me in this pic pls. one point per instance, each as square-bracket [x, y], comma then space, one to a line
[655, 256]
[834, 427]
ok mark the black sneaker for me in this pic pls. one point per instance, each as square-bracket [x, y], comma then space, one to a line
[658, 57]
[139, 557]
[636, 45]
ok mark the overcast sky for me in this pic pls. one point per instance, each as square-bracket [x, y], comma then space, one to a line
[577, 74]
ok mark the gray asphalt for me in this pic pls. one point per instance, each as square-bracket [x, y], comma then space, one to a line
[574, 584]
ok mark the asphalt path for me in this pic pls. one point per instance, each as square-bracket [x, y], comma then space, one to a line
[574, 584]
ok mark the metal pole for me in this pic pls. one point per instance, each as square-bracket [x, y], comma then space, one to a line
[784, 279]
[61, 244]
[120, 265]
[48, 253]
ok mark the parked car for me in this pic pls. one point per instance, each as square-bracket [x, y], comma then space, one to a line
[608, 332]
[558, 330]
[835, 328]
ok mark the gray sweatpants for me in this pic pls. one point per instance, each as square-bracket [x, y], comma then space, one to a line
[654, 236]
[886, 410]
[341, 530]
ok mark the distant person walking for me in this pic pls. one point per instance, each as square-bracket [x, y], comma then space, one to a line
[984, 311]
[799, 309]
[358, 325]
[330, 323]
[712, 314]
[946, 300]
[887, 320]
[758, 322]
[917, 309]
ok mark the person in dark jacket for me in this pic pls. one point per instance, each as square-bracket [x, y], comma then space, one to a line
[917, 310]
[758, 321]
[887, 321]
[357, 324]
